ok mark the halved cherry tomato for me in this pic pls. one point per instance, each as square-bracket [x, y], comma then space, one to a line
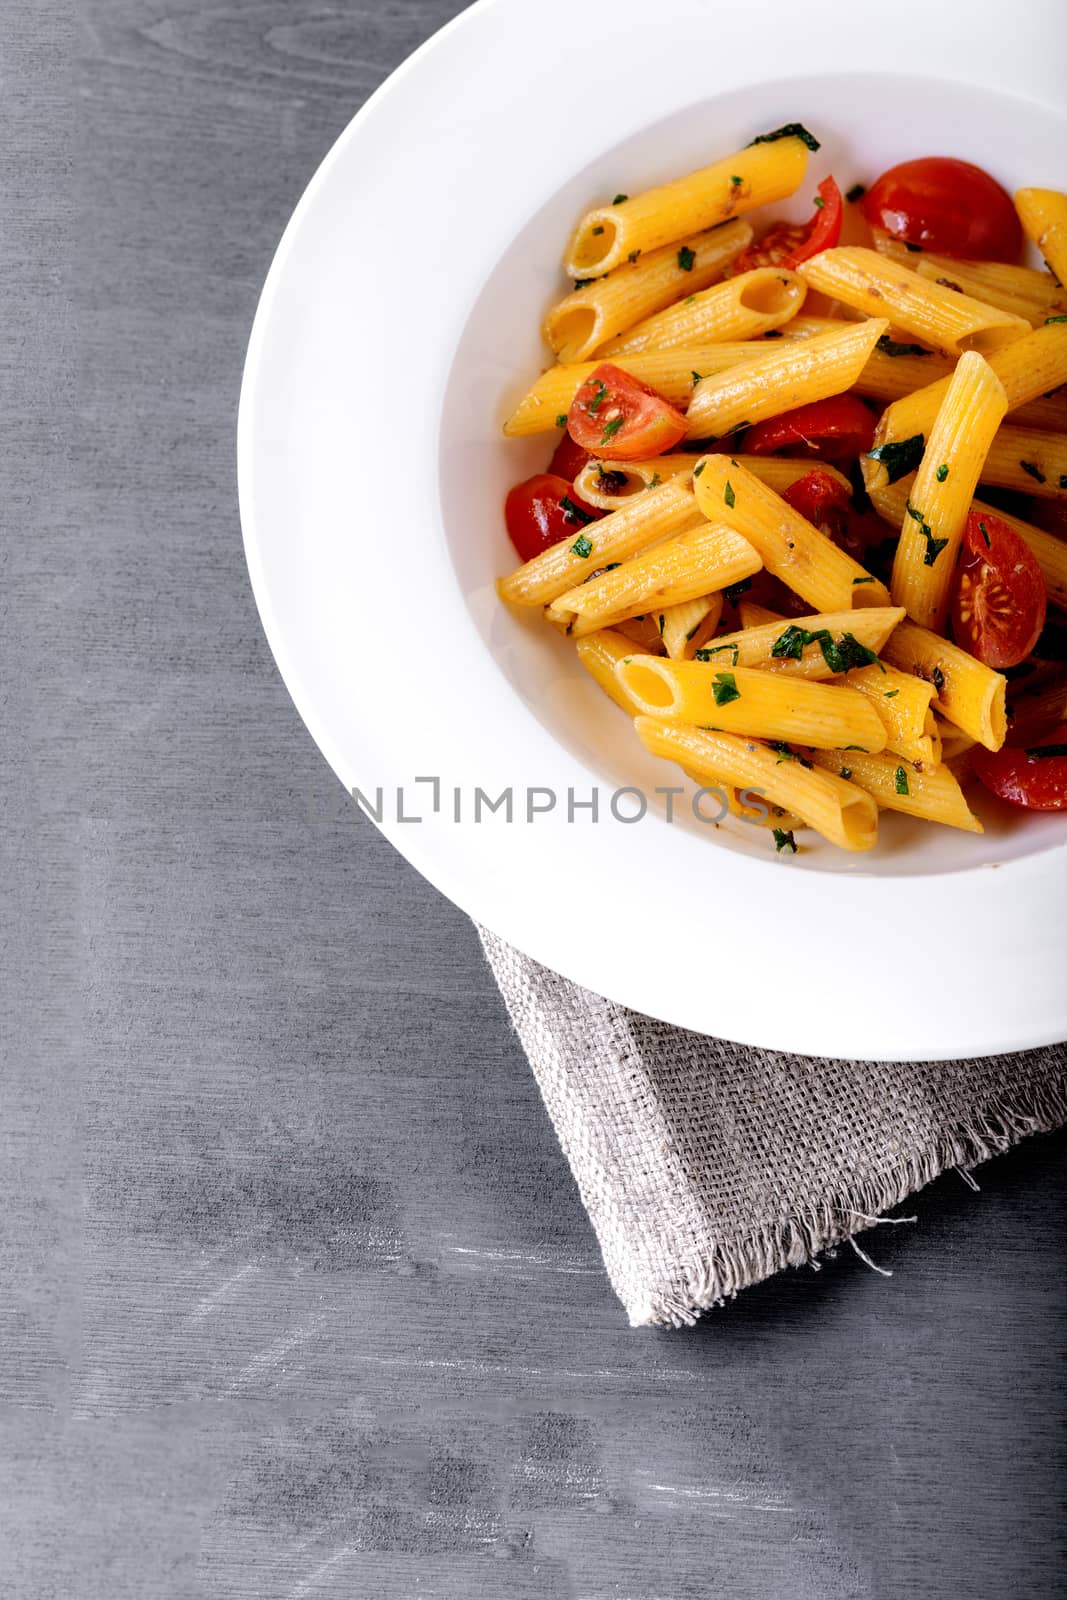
[1035, 778]
[946, 205]
[568, 459]
[821, 499]
[834, 430]
[998, 609]
[544, 510]
[618, 418]
[787, 244]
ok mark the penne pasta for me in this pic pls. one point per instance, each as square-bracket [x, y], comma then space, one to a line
[785, 375]
[672, 373]
[609, 484]
[807, 647]
[902, 701]
[758, 175]
[741, 308]
[700, 560]
[1027, 369]
[1023, 291]
[660, 512]
[941, 318]
[754, 809]
[936, 512]
[931, 793]
[967, 693]
[1027, 460]
[684, 627]
[788, 545]
[743, 700]
[1043, 214]
[584, 321]
[599, 653]
[841, 812]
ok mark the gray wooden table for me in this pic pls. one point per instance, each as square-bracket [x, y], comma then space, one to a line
[298, 1299]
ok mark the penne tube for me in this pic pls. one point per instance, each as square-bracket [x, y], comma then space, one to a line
[889, 377]
[741, 308]
[599, 653]
[753, 615]
[894, 785]
[607, 235]
[1049, 551]
[685, 626]
[763, 705]
[788, 545]
[644, 631]
[841, 812]
[967, 693]
[609, 484]
[1027, 369]
[584, 321]
[672, 373]
[752, 807]
[655, 515]
[941, 318]
[819, 640]
[806, 327]
[1023, 291]
[1043, 214]
[936, 512]
[788, 373]
[902, 701]
[698, 561]
[1029, 461]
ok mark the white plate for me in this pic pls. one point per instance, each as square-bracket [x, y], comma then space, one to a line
[398, 322]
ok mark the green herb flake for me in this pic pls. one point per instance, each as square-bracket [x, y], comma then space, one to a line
[786, 753]
[891, 347]
[891, 694]
[599, 228]
[583, 283]
[840, 655]
[942, 473]
[728, 495]
[862, 748]
[662, 622]
[736, 181]
[735, 590]
[688, 301]
[561, 420]
[725, 689]
[818, 202]
[938, 678]
[867, 579]
[1050, 320]
[582, 546]
[655, 481]
[857, 192]
[706, 653]
[790, 644]
[899, 456]
[619, 198]
[698, 469]
[1034, 471]
[783, 840]
[789, 130]
[985, 533]
[574, 513]
[933, 549]
[686, 257]
[846, 772]
[900, 781]
[611, 429]
[697, 376]
[598, 398]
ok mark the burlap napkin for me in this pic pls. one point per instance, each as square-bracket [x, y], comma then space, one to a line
[706, 1166]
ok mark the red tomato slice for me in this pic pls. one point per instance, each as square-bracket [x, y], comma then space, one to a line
[544, 510]
[787, 244]
[1035, 778]
[821, 499]
[946, 205]
[998, 609]
[834, 430]
[618, 418]
[568, 459]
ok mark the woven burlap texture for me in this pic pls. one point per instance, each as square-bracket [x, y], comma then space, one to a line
[706, 1166]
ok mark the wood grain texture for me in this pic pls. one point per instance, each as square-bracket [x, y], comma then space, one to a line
[298, 1297]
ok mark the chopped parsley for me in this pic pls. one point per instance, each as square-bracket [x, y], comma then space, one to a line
[867, 579]
[942, 473]
[857, 192]
[561, 420]
[574, 513]
[783, 840]
[846, 772]
[1034, 471]
[610, 482]
[818, 202]
[900, 781]
[735, 590]
[708, 651]
[655, 481]
[891, 694]
[686, 257]
[736, 181]
[1046, 751]
[582, 546]
[890, 347]
[698, 469]
[728, 495]
[725, 689]
[599, 228]
[662, 621]
[789, 130]
[611, 429]
[899, 456]
[938, 679]
[934, 546]
[984, 531]
[697, 375]
[619, 198]
[583, 283]
[786, 753]
[688, 301]
[840, 655]
[1049, 320]
[598, 399]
